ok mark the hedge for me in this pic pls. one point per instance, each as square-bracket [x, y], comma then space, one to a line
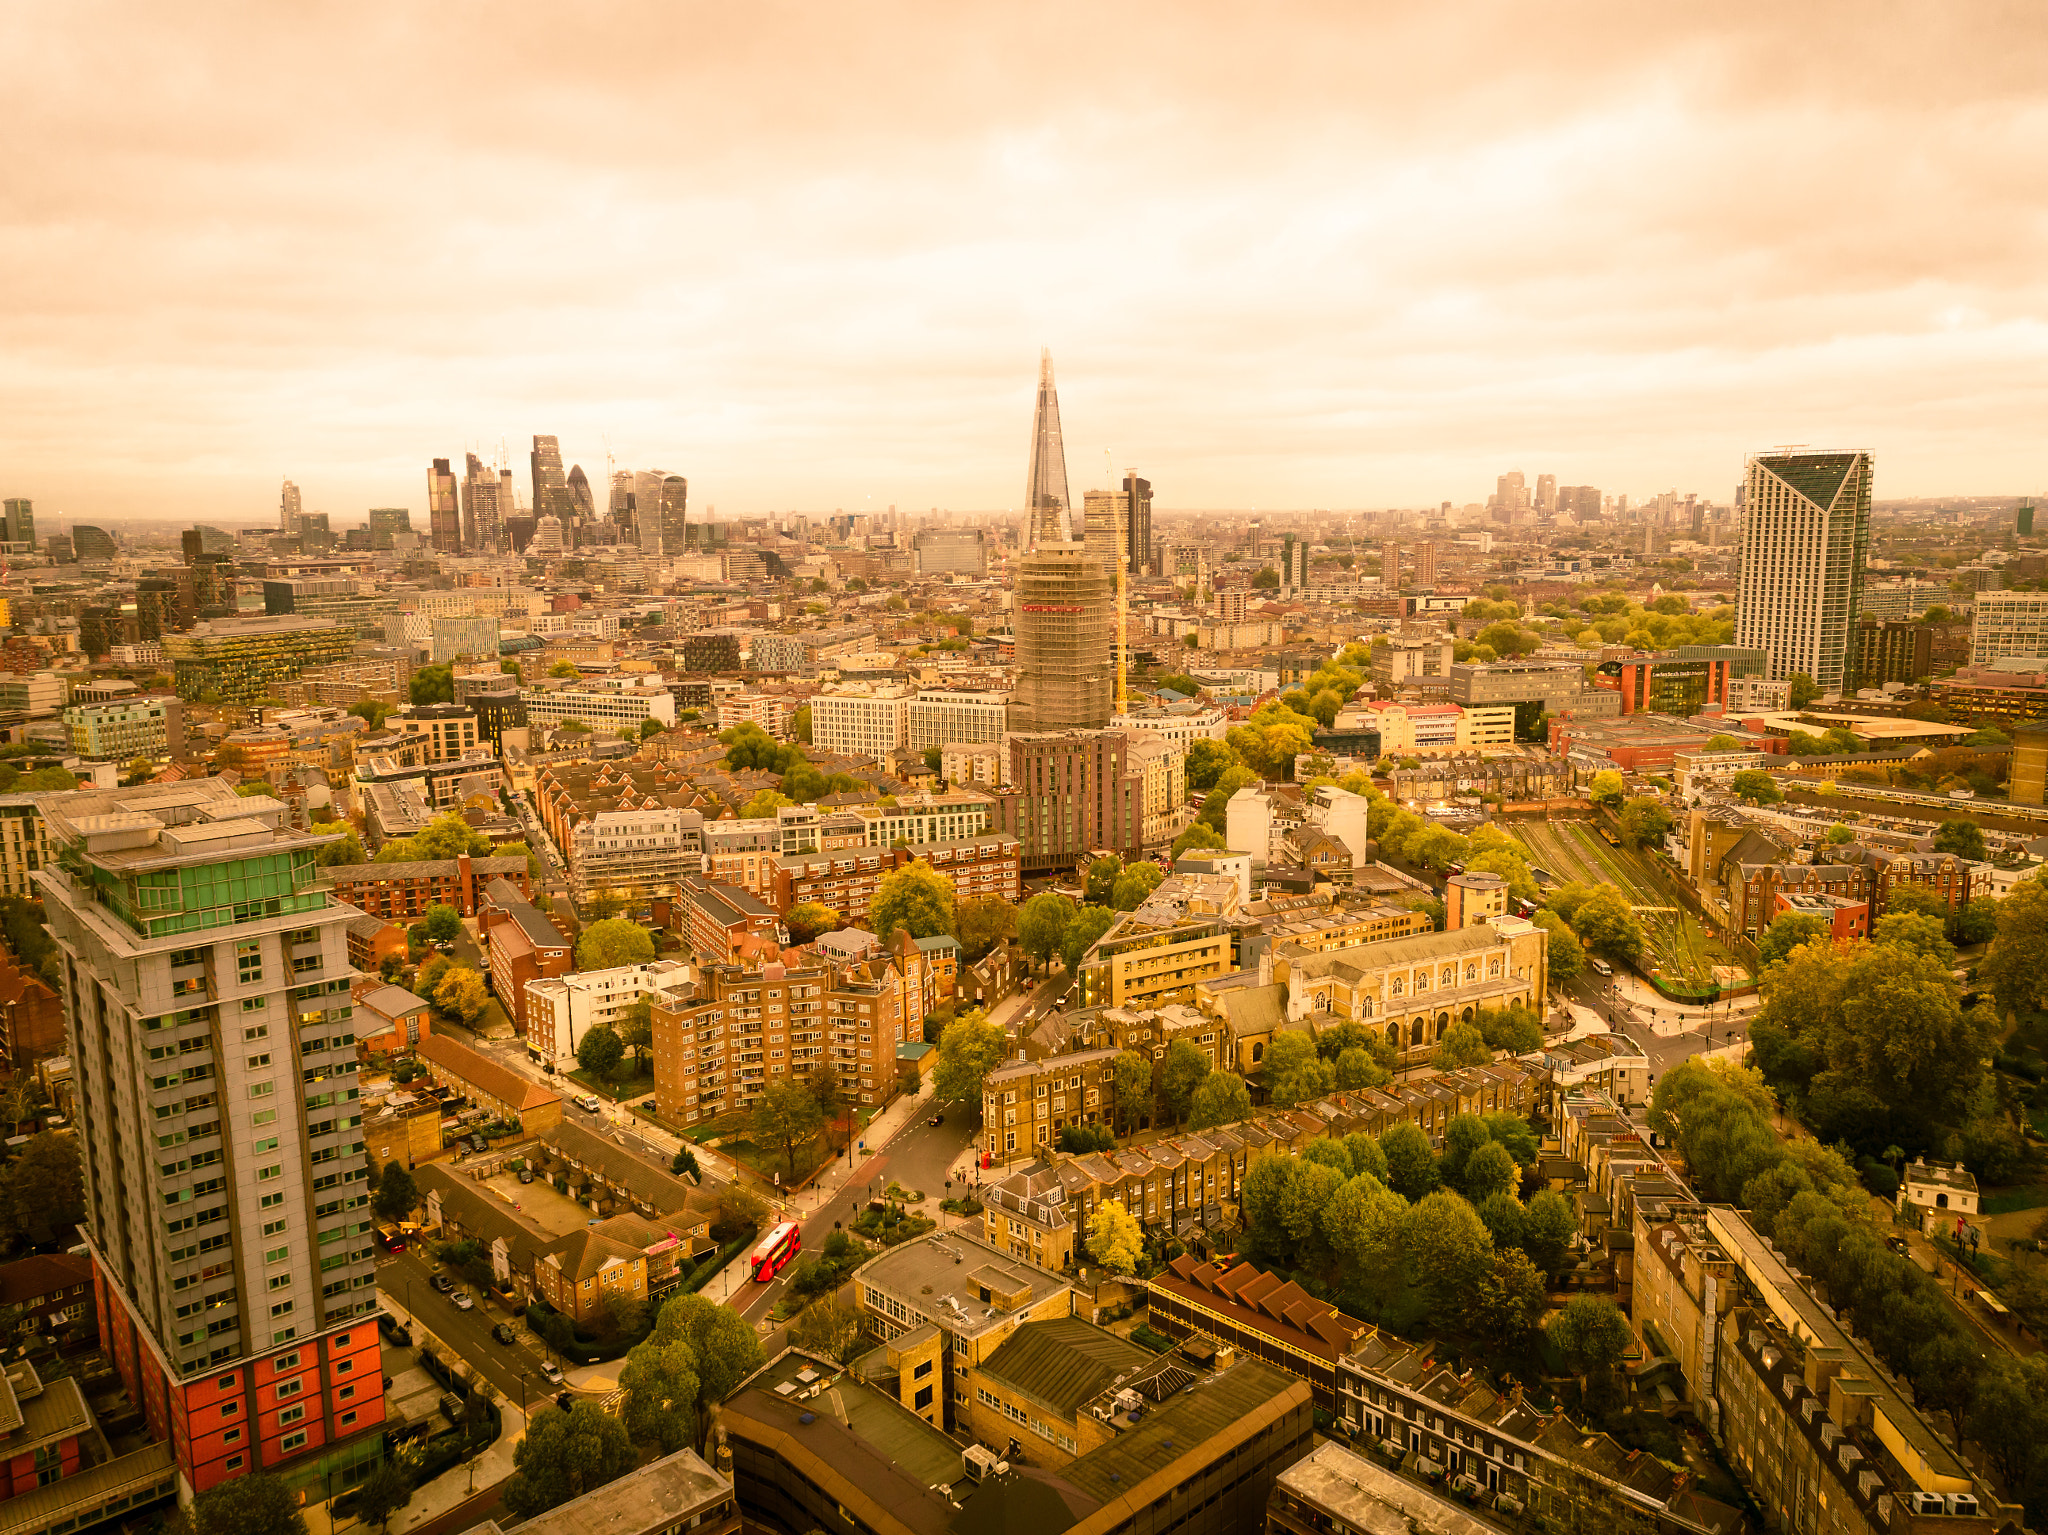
[562, 1336]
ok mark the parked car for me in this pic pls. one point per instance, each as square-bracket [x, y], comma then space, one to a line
[444, 1284]
[526, 1175]
[551, 1372]
[463, 1302]
[503, 1332]
[478, 1144]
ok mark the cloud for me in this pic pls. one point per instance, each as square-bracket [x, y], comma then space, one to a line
[1334, 255]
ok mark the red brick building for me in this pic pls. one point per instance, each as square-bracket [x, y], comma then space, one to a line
[846, 879]
[402, 892]
[524, 946]
[31, 1016]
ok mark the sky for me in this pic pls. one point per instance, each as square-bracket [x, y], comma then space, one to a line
[1350, 255]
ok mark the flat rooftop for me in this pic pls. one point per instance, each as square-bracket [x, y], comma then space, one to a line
[934, 1272]
[637, 1502]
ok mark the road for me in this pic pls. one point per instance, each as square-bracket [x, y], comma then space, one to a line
[407, 1279]
[920, 1157]
[1668, 1034]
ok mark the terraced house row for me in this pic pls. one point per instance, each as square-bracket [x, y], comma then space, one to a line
[1181, 1182]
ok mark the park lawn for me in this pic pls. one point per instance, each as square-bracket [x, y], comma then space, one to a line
[2021, 1197]
[771, 1163]
[615, 1087]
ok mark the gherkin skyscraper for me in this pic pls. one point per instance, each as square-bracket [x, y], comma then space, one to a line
[1045, 493]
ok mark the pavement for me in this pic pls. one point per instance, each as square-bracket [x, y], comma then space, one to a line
[1668, 1031]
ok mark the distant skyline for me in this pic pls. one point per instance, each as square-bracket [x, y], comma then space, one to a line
[1349, 256]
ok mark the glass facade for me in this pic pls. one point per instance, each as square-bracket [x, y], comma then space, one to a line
[165, 901]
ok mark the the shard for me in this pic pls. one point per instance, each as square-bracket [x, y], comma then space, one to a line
[1045, 494]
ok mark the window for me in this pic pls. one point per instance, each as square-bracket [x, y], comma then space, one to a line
[229, 1408]
[272, 1201]
[260, 1031]
[234, 1463]
[292, 1442]
[249, 963]
[260, 1089]
[267, 1144]
[290, 1415]
[288, 1362]
[254, 1004]
[274, 1228]
[277, 1254]
[232, 1436]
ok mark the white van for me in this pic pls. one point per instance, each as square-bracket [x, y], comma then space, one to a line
[1601, 967]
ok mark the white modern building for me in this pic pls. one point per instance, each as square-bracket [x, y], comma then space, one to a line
[634, 854]
[922, 819]
[947, 717]
[606, 704]
[861, 721]
[2009, 626]
[1182, 724]
[1804, 544]
[562, 1009]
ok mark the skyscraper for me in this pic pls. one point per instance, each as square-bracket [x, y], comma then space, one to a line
[1293, 563]
[674, 529]
[1045, 491]
[1390, 565]
[482, 521]
[582, 504]
[1425, 564]
[1546, 495]
[386, 521]
[1066, 620]
[550, 488]
[20, 520]
[205, 979]
[288, 509]
[444, 521]
[1803, 552]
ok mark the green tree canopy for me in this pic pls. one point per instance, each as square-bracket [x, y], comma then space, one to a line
[1756, 786]
[1114, 1240]
[1042, 925]
[787, 1117]
[1135, 884]
[1181, 1073]
[1965, 839]
[564, 1455]
[981, 922]
[807, 919]
[1087, 924]
[611, 943]
[256, 1504]
[1608, 788]
[1788, 930]
[599, 1050]
[916, 897]
[970, 1048]
[1101, 880]
[1221, 1099]
[1292, 1069]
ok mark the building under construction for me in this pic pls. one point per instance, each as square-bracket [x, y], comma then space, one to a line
[1066, 630]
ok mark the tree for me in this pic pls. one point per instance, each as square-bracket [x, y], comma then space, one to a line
[443, 922]
[1974, 922]
[807, 919]
[1267, 580]
[1101, 881]
[970, 1048]
[1362, 1223]
[599, 1050]
[1756, 787]
[1135, 884]
[1488, 1171]
[1411, 1164]
[1804, 690]
[611, 943]
[1786, 933]
[397, 1196]
[1293, 1071]
[800, 724]
[826, 1327]
[1196, 836]
[1216, 804]
[1180, 1075]
[1462, 1045]
[1605, 923]
[685, 1162]
[1356, 1069]
[1131, 1081]
[1837, 834]
[1547, 1228]
[564, 1455]
[430, 975]
[1916, 898]
[45, 1187]
[1086, 925]
[1206, 763]
[1221, 1099]
[916, 897]
[433, 685]
[349, 850]
[787, 1116]
[1514, 1029]
[1567, 954]
[636, 1031]
[982, 922]
[1590, 1336]
[257, 1504]
[764, 805]
[1508, 1302]
[1608, 788]
[1448, 1249]
[463, 993]
[1924, 935]
[1114, 1240]
[1965, 839]
[1644, 820]
[824, 1085]
[1042, 924]
[383, 1493]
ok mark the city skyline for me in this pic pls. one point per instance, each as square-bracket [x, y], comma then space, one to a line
[1587, 251]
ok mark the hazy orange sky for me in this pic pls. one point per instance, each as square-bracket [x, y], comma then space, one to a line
[1343, 255]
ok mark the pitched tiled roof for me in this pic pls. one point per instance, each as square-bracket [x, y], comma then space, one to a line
[488, 1076]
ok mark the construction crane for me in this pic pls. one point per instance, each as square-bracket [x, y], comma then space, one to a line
[1120, 552]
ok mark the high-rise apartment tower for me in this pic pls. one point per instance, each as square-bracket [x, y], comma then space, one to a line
[1390, 565]
[205, 978]
[1045, 490]
[1803, 553]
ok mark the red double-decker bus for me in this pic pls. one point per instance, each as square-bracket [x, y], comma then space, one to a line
[772, 1254]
